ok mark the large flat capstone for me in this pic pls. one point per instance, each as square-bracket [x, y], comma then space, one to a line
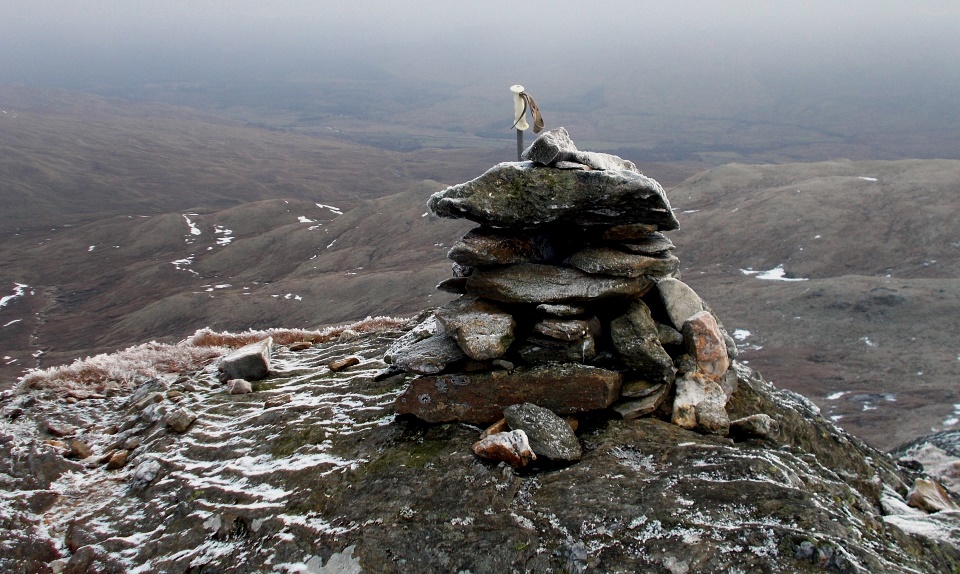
[533, 283]
[480, 398]
[522, 195]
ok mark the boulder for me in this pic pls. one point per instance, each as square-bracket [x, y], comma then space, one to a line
[550, 436]
[481, 329]
[637, 340]
[511, 447]
[610, 261]
[533, 283]
[522, 196]
[251, 362]
[480, 398]
[561, 310]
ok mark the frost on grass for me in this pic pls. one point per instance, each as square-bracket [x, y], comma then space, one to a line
[129, 367]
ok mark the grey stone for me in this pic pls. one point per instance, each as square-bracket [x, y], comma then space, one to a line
[926, 495]
[668, 335]
[550, 436]
[636, 339]
[555, 147]
[521, 196]
[651, 244]
[180, 419]
[147, 470]
[250, 362]
[609, 261]
[628, 232]
[484, 246]
[455, 285]
[562, 329]
[680, 301]
[560, 310]
[239, 387]
[539, 350]
[533, 283]
[482, 330]
[755, 426]
[551, 146]
[428, 356]
[637, 388]
[640, 407]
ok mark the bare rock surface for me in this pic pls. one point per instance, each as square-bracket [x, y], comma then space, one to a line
[332, 478]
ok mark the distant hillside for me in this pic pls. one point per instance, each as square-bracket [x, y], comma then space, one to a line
[252, 228]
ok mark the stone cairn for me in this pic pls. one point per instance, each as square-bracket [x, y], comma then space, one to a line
[570, 301]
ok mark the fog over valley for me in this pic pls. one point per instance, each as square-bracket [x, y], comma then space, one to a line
[698, 82]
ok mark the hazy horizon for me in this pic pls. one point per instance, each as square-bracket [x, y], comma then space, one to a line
[797, 68]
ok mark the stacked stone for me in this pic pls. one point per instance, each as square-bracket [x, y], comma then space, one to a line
[570, 299]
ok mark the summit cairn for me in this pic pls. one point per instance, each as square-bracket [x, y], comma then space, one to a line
[570, 299]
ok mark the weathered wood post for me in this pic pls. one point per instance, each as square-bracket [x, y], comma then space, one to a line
[521, 102]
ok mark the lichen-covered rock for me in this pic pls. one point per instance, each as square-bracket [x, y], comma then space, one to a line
[755, 426]
[653, 244]
[555, 147]
[539, 350]
[480, 398]
[482, 330]
[637, 339]
[563, 329]
[928, 496]
[522, 196]
[550, 436]
[642, 405]
[534, 283]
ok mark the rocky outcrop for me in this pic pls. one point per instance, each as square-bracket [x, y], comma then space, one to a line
[568, 274]
[326, 478]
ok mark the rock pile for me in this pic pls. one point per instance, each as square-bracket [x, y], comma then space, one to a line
[570, 299]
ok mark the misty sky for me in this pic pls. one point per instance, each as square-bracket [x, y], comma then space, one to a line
[809, 65]
[77, 42]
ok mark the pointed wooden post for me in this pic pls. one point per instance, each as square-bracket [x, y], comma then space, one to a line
[519, 116]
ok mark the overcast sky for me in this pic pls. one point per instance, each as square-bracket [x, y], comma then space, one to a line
[66, 42]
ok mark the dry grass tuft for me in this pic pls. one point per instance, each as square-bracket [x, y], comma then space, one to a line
[126, 369]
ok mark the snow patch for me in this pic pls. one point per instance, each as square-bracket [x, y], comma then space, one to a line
[194, 230]
[741, 334]
[91, 248]
[11, 322]
[18, 290]
[305, 219]
[226, 233]
[837, 395]
[868, 178]
[776, 274]
[333, 209]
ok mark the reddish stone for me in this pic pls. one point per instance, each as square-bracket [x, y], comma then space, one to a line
[510, 447]
[342, 363]
[479, 398]
[705, 343]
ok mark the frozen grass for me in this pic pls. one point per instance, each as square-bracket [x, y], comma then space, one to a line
[126, 368]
